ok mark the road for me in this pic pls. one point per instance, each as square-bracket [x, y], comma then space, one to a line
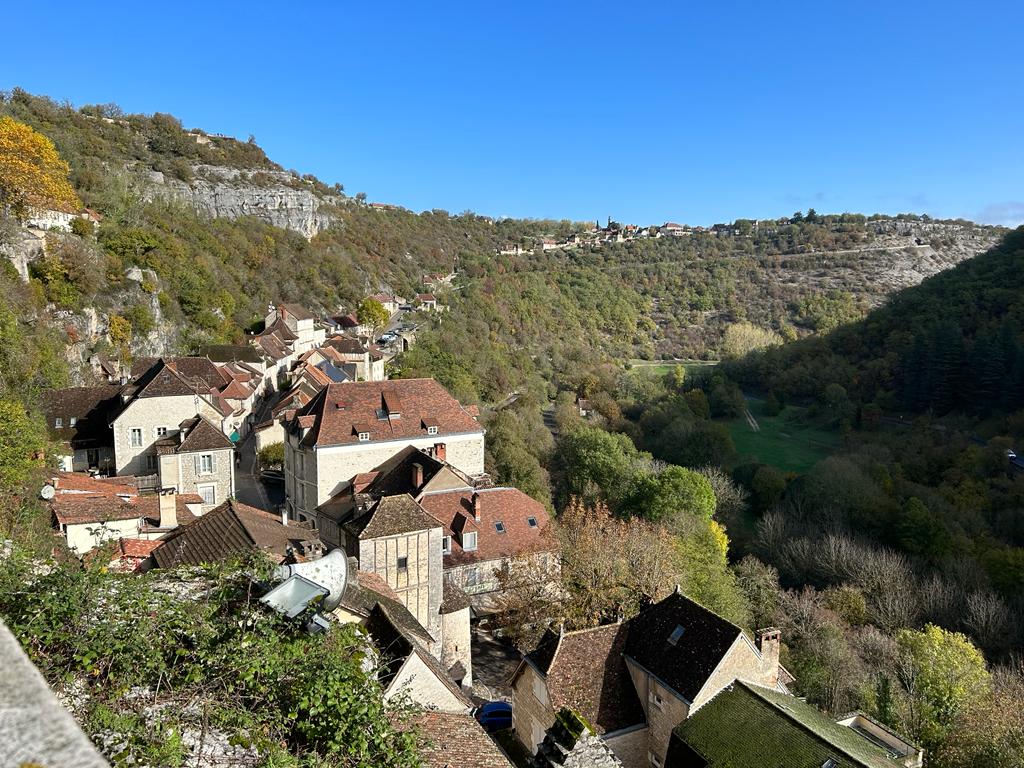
[248, 487]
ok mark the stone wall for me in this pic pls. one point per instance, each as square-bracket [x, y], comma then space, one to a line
[455, 643]
[179, 471]
[631, 746]
[532, 714]
[148, 413]
[420, 585]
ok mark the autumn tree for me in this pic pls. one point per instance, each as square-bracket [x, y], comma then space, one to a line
[942, 673]
[32, 173]
[743, 338]
[373, 315]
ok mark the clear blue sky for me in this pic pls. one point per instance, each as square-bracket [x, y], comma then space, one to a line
[691, 111]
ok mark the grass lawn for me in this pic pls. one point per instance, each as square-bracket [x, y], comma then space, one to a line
[785, 441]
[661, 367]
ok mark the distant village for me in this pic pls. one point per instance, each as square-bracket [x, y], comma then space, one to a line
[381, 512]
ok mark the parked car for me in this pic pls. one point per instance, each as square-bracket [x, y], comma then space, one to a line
[273, 476]
[494, 715]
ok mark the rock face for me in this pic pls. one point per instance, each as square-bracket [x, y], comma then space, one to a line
[277, 197]
[24, 246]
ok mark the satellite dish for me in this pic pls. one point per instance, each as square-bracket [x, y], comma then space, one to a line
[47, 492]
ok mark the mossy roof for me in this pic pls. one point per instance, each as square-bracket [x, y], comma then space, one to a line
[747, 726]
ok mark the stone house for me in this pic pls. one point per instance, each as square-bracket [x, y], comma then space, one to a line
[88, 518]
[389, 301]
[484, 529]
[198, 459]
[348, 429]
[78, 418]
[151, 408]
[427, 301]
[779, 731]
[367, 359]
[636, 681]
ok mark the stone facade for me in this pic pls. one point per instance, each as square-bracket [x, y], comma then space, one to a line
[532, 713]
[149, 414]
[631, 746]
[184, 472]
[416, 680]
[456, 644]
[420, 585]
[313, 475]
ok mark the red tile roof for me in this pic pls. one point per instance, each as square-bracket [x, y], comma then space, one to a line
[509, 506]
[456, 741]
[229, 529]
[69, 482]
[342, 411]
[586, 672]
[81, 508]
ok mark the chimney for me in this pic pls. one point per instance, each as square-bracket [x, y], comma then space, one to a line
[440, 451]
[417, 476]
[768, 645]
[284, 516]
[476, 506]
[168, 508]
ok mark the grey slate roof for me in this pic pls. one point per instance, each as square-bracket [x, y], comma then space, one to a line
[686, 665]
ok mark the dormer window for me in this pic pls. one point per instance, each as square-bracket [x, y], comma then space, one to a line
[446, 545]
[469, 541]
[73, 421]
[431, 430]
[676, 634]
[364, 437]
[58, 422]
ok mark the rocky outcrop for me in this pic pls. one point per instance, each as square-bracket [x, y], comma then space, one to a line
[22, 247]
[277, 197]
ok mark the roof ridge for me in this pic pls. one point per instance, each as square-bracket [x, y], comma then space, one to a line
[678, 591]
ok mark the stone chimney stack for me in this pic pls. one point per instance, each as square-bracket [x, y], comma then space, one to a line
[440, 452]
[417, 476]
[476, 506]
[168, 508]
[768, 645]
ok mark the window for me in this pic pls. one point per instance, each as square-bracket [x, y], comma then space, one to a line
[676, 634]
[161, 431]
[446, 545]
[653, 759]
[136, 437]
[403, 563]
[499, 526]
[472, 577]
[74, 420]
[151, 462]
[364, 437]
[656, 700]
[208, 493]
[469, 541]
[206, 464]
[532, 522]
[58, 422]
[830, 763]
[431, 430]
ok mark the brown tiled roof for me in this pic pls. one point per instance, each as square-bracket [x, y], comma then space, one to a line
[136, 547]
[236, 390]
[345, 345]
[456, 741]
[91, 407]
[79, 508]
[161, 380]
[203, 436]
[685, 665]
[222, 353]
[273, 347]
[454, 598]
[586, 672]
[391, 516]
[340, 408]
[369, 591]
[230, 529]
[297, 311]
[201, 372]
[509, 506]
[396, 474]
[426, 297]
[280, 329]
[68, 482]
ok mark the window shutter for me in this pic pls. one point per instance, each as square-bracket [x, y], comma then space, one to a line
[198, 466]
[213, 462]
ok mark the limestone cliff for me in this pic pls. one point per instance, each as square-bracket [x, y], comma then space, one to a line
[279, 198]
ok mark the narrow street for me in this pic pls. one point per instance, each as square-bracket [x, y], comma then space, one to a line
[249, 489]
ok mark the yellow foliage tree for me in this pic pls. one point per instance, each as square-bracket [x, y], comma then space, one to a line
[32, 173]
